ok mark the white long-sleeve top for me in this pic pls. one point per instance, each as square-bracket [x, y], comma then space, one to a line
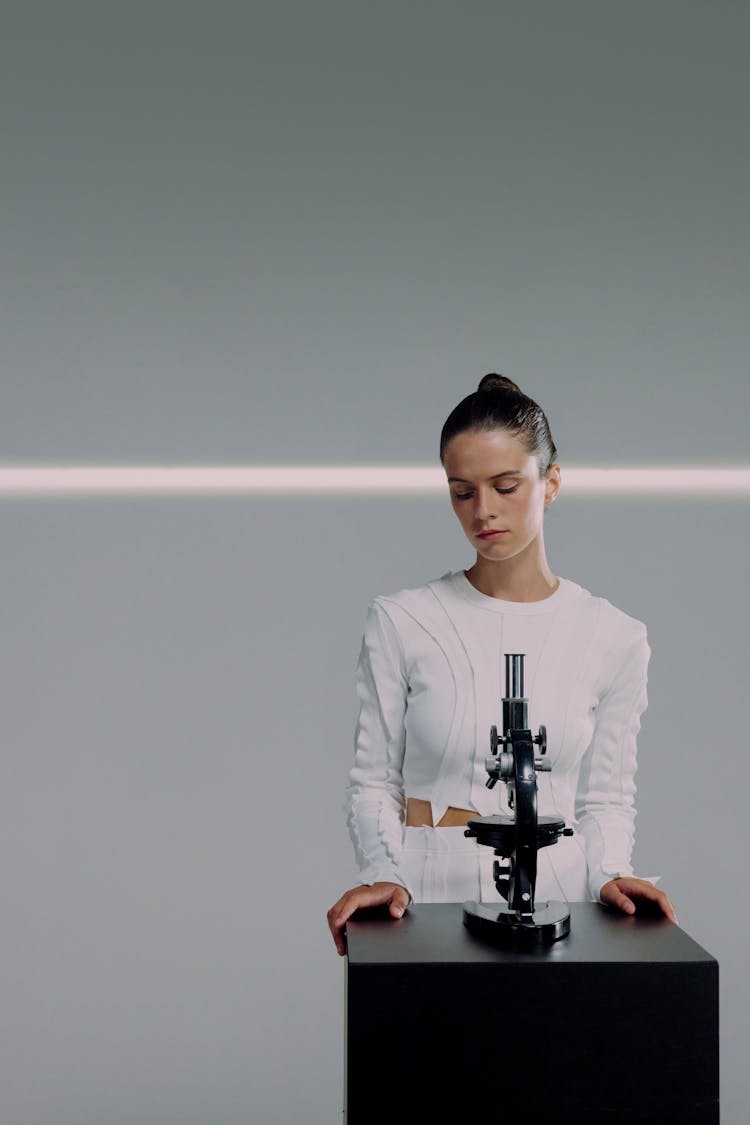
[430, 678]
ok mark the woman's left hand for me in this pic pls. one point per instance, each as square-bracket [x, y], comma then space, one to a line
[626, 892]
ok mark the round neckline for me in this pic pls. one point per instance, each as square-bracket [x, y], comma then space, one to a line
[470, 593]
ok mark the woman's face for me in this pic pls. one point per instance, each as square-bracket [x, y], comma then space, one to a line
[496, 491]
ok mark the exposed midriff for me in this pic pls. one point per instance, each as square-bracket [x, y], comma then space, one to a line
[419, 813]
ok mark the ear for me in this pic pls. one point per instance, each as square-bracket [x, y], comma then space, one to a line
[551, 485]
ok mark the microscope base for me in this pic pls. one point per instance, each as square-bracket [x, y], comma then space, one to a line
[502, 926]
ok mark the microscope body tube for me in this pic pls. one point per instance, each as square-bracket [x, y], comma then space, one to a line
[514, 704]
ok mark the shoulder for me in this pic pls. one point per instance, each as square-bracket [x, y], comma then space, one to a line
[406, 616]
[415, 595]
[418, 604]
[612, 622]
[617, 643]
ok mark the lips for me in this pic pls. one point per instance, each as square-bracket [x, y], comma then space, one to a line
[491, 534]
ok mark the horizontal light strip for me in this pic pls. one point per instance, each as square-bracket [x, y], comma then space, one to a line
[141, 480]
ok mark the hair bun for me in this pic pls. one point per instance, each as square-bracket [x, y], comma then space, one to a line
[493, 382]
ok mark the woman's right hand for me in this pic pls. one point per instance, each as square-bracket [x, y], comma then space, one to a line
[393, 895]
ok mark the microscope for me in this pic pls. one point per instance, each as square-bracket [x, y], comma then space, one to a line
[519, 920]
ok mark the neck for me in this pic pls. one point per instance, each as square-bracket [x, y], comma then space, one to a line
[513, 580]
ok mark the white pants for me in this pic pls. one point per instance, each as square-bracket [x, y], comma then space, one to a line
[442, 865]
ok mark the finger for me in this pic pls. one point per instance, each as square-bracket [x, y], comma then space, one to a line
[338, 916]
[664, 903]
[660, 899]
[622, 902]
[340, 913]
[669, 910]
[613, 896]
[648, 891]
[337, 933]
[399, 901]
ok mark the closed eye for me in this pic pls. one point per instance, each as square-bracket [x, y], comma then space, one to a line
[468, 495]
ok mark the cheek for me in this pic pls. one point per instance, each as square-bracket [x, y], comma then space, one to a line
[466, 522]
[538, 516]
[530, 518]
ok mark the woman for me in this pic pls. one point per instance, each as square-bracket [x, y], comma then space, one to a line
[429, 683]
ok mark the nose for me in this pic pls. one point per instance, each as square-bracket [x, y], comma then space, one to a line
[484, 508]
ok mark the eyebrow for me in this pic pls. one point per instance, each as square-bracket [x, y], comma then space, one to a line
[507, 473]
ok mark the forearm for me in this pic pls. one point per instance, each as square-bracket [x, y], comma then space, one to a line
[375, 823]
[374, 797]
[605, 800]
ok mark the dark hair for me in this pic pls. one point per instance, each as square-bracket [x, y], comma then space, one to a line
[499, 404]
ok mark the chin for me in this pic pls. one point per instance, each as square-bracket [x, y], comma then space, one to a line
[494, 553]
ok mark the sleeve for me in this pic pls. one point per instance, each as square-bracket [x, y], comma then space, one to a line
[374, 796]
[604, 802]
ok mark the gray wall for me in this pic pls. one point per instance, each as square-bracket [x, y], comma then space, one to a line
[273, 233]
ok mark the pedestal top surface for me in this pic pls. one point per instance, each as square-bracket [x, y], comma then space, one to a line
[434, 933]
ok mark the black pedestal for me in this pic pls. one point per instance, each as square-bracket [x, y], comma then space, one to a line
[618, 1022]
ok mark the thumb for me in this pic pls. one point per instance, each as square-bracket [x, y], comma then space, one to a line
[614, 894]
[399, 902]
[624, 903]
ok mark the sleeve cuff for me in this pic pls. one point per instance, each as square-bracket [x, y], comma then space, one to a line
[380, 873]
